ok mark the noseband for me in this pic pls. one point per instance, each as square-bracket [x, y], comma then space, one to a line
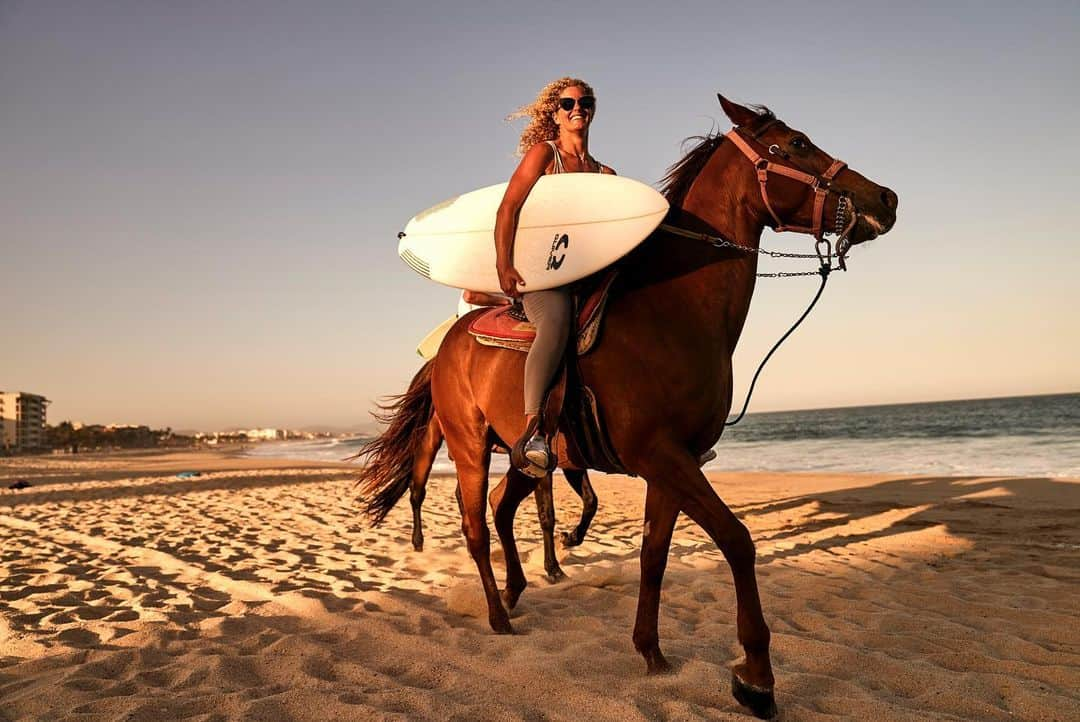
[821, 185]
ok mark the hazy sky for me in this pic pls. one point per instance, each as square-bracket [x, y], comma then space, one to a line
[199, 200]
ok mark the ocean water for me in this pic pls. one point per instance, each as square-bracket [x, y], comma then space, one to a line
[1022, 436]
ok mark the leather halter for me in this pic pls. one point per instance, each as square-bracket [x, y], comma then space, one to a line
[821, 185]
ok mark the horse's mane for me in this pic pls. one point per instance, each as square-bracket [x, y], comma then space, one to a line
[680, 176]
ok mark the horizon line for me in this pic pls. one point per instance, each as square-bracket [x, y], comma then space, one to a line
[357, 428]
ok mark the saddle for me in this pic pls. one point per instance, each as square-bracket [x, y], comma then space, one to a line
[569, 405]
[508, 327]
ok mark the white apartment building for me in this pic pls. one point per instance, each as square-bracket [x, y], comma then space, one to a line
[264, 434]
[22, 421]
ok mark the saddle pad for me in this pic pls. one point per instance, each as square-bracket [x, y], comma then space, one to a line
[507, 326]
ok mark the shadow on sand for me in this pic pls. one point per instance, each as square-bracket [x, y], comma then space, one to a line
[1041, 512]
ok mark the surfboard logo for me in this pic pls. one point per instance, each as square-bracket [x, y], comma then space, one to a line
[561, 241]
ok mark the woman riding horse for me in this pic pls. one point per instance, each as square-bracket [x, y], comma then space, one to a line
[555, 141]
[669, 335]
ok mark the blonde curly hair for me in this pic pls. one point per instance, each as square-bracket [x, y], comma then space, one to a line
[540, 112]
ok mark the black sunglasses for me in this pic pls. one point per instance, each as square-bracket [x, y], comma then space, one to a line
[585, 102]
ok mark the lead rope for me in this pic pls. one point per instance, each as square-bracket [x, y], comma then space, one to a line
[826, 267]
[824, 272]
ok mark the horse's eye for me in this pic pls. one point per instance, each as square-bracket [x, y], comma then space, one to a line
[799, 143]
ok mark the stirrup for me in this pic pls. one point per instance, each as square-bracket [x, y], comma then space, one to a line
[537, 451]
[531, 454]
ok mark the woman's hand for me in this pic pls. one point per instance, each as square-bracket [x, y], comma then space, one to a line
[510, 280]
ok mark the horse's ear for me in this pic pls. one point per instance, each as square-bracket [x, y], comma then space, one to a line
[738, 114]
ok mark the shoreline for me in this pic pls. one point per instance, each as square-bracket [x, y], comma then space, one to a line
[257, 590]
[156, 461]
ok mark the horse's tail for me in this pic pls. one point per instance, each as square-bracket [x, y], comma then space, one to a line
[388, 472]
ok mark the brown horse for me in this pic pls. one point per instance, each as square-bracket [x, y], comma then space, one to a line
[661, 372]
[578, 479]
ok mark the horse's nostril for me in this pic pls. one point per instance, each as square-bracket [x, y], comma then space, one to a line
[889, 199]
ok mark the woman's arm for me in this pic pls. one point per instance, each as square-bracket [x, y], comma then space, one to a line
[530, 169]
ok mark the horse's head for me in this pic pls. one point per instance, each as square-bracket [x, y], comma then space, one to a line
[797, 186]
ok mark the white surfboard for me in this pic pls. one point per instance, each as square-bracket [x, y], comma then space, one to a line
[572, 225]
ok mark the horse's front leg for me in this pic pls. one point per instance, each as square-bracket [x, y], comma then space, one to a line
[545, 509]
[676, 472]
[505, 499]
[578, 479]
[660, 515]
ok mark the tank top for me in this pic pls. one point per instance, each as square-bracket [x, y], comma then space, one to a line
[558, 160]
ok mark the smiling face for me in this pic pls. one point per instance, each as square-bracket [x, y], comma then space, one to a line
[577, 118]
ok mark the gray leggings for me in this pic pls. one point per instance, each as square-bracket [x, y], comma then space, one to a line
[550, 312]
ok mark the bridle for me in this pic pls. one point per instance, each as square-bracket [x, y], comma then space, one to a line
[821, 185]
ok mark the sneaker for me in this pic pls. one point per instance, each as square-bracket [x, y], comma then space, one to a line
[530, 454]
[537, 451]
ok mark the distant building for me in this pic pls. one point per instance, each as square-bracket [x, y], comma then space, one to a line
[264, 434]
[22, 418]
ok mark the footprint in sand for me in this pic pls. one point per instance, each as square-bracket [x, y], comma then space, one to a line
[92, 613]
[84, 684]
[80, 638]
[320, 668]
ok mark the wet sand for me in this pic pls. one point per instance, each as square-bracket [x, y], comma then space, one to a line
[257, 591]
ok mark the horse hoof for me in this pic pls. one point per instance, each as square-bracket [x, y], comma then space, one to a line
[501, 626]
[510, 597]
[418, 546]
[658, 664]
[570, 539]
[556, 575]
[759, 700]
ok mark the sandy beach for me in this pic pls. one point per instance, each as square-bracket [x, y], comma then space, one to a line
[257, 591]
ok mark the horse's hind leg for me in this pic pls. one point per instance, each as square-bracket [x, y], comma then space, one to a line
[505, 499]
[545, 509]
[578, 479]
[660, 515]
[425, 457]
[676, 472]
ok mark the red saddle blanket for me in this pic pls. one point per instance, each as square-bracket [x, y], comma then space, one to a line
[507, 326]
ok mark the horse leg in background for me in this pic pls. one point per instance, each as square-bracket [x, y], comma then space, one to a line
[676, 472]
[545, 509]
[578, 479]
[422, 462]
[660, 515]
[505, 500]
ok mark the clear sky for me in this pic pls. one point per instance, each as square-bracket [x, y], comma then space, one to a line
[199, 200]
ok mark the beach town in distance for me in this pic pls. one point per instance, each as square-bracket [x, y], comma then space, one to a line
[596, 361]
